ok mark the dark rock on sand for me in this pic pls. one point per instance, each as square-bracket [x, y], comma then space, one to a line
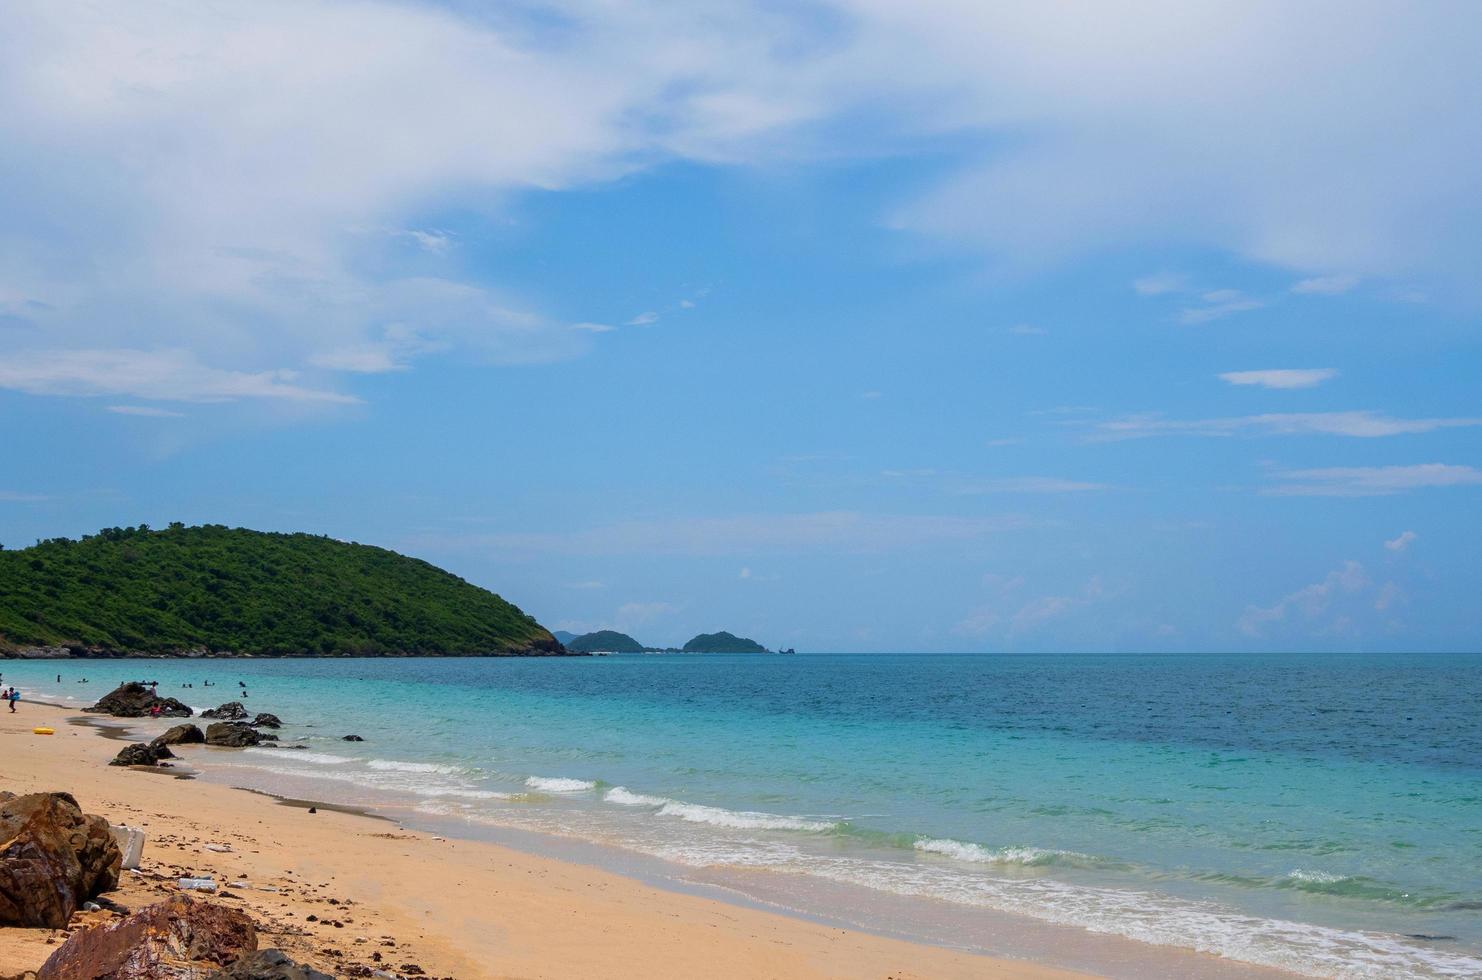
[178, 939]
[231, 711]
[351, 738]
[265, 720]
[140, 754]
[181, 735]
[268, 964]
[233, 734]
[134, 700]
[54, 858]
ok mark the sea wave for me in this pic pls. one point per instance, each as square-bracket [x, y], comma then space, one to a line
[558, 784]
[742, 819]
[395, 765]
[314, 758]
[1022, 856]
[622, 796]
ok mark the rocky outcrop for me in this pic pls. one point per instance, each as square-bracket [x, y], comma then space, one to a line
[134, 700]
[181, 735]
[231, 711]
[234, 734]
[178, 939]
[266, 720]
[351, 738]
[53, 858]
[268, 964]
[141, 754]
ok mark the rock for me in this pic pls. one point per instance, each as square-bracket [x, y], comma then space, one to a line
[140, 754]
[181, 735]
[133, 700]
[231, 711]
[265, 720]
[268, 964]
[351, 738]
[54, 858]
[178, 939]
[233, 734]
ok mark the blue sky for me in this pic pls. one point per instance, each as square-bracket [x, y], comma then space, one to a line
[847, 325]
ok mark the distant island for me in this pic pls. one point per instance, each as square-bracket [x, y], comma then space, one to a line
[218, 591]
[604, 641]
[564, 636]
[722, 642]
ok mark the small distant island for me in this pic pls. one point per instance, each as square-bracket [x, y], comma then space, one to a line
[723, 642]
[218, 591]
[604, 641]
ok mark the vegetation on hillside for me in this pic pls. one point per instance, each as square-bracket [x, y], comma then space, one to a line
[605, 641]
[232, 590]
[723, 642]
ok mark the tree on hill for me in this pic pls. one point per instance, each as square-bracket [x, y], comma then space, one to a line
[723, 642]
[232, 590]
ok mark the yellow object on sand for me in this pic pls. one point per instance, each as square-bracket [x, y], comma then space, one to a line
[43, 731]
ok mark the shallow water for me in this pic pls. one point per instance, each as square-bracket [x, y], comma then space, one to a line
[1315, 813]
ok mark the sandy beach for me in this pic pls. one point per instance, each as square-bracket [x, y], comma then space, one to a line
[335, 889]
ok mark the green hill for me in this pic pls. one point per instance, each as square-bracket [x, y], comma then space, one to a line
[723, 642]
[563, 636]
[229, 591]
[606, 641]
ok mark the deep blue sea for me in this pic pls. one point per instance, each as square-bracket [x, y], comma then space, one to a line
[1317, 813]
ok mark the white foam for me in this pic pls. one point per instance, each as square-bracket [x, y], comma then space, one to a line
[622, 796]
[392, 765]
[740, 819]
[978, 854]
[557, 784]
[1315, 877]
[316, 758]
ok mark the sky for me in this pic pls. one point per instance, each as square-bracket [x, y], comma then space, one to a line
[846, 325]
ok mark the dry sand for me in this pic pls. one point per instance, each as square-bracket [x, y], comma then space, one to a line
[334, 889]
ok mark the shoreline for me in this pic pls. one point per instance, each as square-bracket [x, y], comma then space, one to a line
[454, 907]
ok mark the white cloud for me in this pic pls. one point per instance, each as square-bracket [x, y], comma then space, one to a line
[1281, 377]
[1158, 284]
[1325, 285]
[1373, 481]
[159, 375]
[1309, 604]
[1220, 303]
[145, 411]
[1403, 541]
[644, 319]
[594, 327]
[1359, 424]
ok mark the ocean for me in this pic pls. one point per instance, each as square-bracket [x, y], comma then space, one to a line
[1320, 814]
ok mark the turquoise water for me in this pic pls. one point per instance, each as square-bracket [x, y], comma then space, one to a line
[1322, 814]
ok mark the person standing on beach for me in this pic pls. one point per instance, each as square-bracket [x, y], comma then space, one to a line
[14, 697]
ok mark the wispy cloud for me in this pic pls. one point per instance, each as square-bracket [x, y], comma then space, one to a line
[1027, 330]
[593, 327]
[157, 375]
[1403, 541]
[13, 497]
[1158, 284]
[1219, 304]
[1373, 481]
[1359, 424]
[1325, 285]
[644, 319]
[1025, 484]
[145, 411]
[1281, 377]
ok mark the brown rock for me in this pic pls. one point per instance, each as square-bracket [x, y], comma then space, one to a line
[231, 711]
[269, 964]
[53, 857]
[181, 735]
[133, 700]
[140, 754]
[234, 734]
[178, 939]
